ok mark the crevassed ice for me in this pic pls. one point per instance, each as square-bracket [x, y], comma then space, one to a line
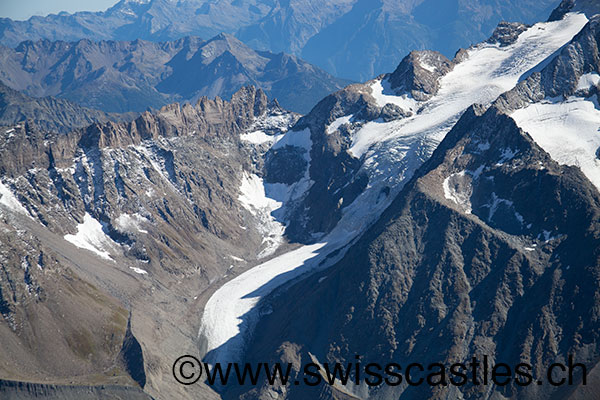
[488, 71]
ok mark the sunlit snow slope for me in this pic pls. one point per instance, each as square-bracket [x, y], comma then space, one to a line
[569, 129]
[390, 153]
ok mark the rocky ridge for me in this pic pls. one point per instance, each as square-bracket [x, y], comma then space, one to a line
[48, 113]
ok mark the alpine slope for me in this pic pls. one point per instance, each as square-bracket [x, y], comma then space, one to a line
[391, 150]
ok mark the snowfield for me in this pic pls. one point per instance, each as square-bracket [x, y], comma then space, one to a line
[390, 154]
[382, 92]
[258, 137]
[266, 201]
[567, 130]
[90, 236]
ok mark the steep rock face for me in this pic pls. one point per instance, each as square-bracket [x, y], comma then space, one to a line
[48, 113]
[138, 75]
[589, 7]
[49, 314]
[142, 172]
[333, 170]
[507, 33]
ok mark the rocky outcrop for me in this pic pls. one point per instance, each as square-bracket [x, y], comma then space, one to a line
[419, 73]
[589, 7]
[506, 33]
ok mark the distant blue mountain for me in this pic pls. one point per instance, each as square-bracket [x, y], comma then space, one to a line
[354, 39]
[122, 76]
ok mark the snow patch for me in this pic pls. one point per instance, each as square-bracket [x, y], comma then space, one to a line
[139, 270]
[259, 137]
[295, 138]
[493, 206]
[254, 199]
[131, 223]
[458, 190]
[425, 65]
[90, 236]
[586, 81]
[483, 146]
[383, 93]
[8, 199]
[507, 155]
[335, 125]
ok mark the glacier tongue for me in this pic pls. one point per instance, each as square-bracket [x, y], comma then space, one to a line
[391, 152]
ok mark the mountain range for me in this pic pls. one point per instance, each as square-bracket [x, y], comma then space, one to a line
[352, 39]
[444, 210]
[139, 75]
